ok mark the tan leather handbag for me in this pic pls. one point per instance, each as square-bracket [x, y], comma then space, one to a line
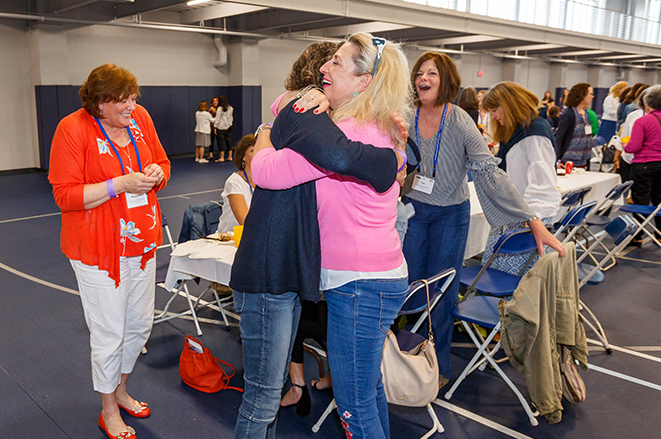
[410, 378]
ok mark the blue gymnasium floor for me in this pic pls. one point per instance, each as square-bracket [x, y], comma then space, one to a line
[45, 379]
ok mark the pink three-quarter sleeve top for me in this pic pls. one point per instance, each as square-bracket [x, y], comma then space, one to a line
[356, 223]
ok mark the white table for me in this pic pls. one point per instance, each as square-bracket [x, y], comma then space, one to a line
[479, 228]
[207, 259]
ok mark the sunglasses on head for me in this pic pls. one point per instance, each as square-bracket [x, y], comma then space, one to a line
[379, 43]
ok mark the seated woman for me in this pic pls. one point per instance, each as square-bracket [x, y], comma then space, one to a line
[238, 189]
[527, 151]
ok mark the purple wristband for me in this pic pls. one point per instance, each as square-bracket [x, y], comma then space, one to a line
[111, 188]
[404, 157]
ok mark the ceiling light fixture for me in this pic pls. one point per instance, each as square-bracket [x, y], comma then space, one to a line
[195, 2]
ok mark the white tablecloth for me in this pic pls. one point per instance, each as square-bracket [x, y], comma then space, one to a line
[204, 258]
[479, 228]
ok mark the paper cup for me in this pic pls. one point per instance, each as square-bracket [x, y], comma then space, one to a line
[238, 231]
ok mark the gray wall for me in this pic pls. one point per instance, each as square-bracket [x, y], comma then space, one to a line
[64, 55]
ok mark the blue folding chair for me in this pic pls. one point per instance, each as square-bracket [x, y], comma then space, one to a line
[621, 229]
[647, 213]
[482, 310]
[416, 302]
[598, 218]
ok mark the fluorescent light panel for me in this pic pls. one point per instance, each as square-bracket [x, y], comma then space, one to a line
[195, 2]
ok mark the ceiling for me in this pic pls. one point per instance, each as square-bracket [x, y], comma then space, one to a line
[415, 25]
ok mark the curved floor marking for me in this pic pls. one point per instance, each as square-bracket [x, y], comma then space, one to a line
[37, 280]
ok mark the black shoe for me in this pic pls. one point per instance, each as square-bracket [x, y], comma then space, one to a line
[304, 404]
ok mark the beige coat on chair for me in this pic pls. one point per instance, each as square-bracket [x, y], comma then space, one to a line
[542, 313]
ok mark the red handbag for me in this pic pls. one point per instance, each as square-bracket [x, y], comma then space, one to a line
[201, 370]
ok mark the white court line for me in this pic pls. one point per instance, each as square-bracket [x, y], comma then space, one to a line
[160, 198]
[477, 418]
[627, 351]
[625, 377]
[30, 217]
[645, 348]
[37, 280]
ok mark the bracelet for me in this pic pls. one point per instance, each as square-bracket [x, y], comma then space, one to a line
[301, 93]
[262, 127]
[401, 153]
[111, 188]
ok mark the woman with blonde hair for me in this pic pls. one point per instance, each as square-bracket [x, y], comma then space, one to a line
[609, 110]
[527, 151]
[363, 274]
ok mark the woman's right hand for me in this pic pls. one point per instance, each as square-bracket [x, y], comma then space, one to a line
[313, 98]
[135, 183]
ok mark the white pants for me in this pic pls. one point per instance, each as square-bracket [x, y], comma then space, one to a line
[119, 319]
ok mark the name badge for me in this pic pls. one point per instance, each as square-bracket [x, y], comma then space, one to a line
[588, 129]
[423, 184]
[135, 200]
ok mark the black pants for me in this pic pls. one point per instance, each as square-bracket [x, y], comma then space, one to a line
[314, 318]
[224, 138]
[646, 186]
[213, 139]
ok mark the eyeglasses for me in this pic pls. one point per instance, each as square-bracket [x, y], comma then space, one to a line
[380, 43]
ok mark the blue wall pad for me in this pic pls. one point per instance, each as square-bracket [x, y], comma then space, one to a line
[171, 107]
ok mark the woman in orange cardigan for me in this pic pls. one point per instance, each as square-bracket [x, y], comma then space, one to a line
[106, 166]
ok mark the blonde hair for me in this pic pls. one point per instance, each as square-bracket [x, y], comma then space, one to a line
[519, 108]
[387, 93]
[617, 88]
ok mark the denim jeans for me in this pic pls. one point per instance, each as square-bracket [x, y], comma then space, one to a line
[435, 241]
[268, 328]
[359, 317]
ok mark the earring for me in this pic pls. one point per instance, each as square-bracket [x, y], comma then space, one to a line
[243, 164]
[355, 93]
[100, 112]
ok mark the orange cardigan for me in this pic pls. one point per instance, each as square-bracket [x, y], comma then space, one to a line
[80, 155]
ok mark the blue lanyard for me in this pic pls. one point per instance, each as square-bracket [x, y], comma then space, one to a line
[112, 145]
[248, 181]
[438, 140]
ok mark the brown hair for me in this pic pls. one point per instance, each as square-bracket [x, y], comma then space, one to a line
[242, 147]
[519, 108]
[468, 99]
[448, 75]
[202, 106]
[305, 70]
[222, 102]
[107, 83]
[553, 111]
[634, 92]
[576, 95]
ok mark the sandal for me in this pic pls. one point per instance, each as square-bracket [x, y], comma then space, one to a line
[314, 386]
[220, 160]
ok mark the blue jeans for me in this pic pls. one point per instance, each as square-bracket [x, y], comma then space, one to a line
[268, 328]
[359, 317]
[435, 241]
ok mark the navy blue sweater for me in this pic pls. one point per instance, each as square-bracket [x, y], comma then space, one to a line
[280, 247]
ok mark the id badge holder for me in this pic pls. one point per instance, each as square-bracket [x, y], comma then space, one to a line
[588, 130]
[135, 200]
[423, 184]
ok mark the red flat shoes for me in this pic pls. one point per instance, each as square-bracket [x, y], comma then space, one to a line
[142, 413]
[130, 434]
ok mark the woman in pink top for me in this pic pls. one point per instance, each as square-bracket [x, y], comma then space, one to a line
[645, 145]
[363, 270]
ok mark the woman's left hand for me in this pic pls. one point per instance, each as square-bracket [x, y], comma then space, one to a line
[154, 170]
[311, 99]
[544, 237]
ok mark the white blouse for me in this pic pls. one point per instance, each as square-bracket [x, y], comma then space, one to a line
[531, 167]
[610, 108]
[233, 185]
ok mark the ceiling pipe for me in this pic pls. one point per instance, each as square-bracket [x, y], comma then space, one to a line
[217, 31]
[221, 59]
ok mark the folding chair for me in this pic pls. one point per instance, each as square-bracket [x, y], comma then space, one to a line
[622, 229]
[599, 218]
[199, 221]
[648, 213]
[481, 310]
[416, 302]
[573, 222]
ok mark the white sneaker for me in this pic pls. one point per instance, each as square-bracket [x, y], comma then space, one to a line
[197, 160]
[203, 161]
